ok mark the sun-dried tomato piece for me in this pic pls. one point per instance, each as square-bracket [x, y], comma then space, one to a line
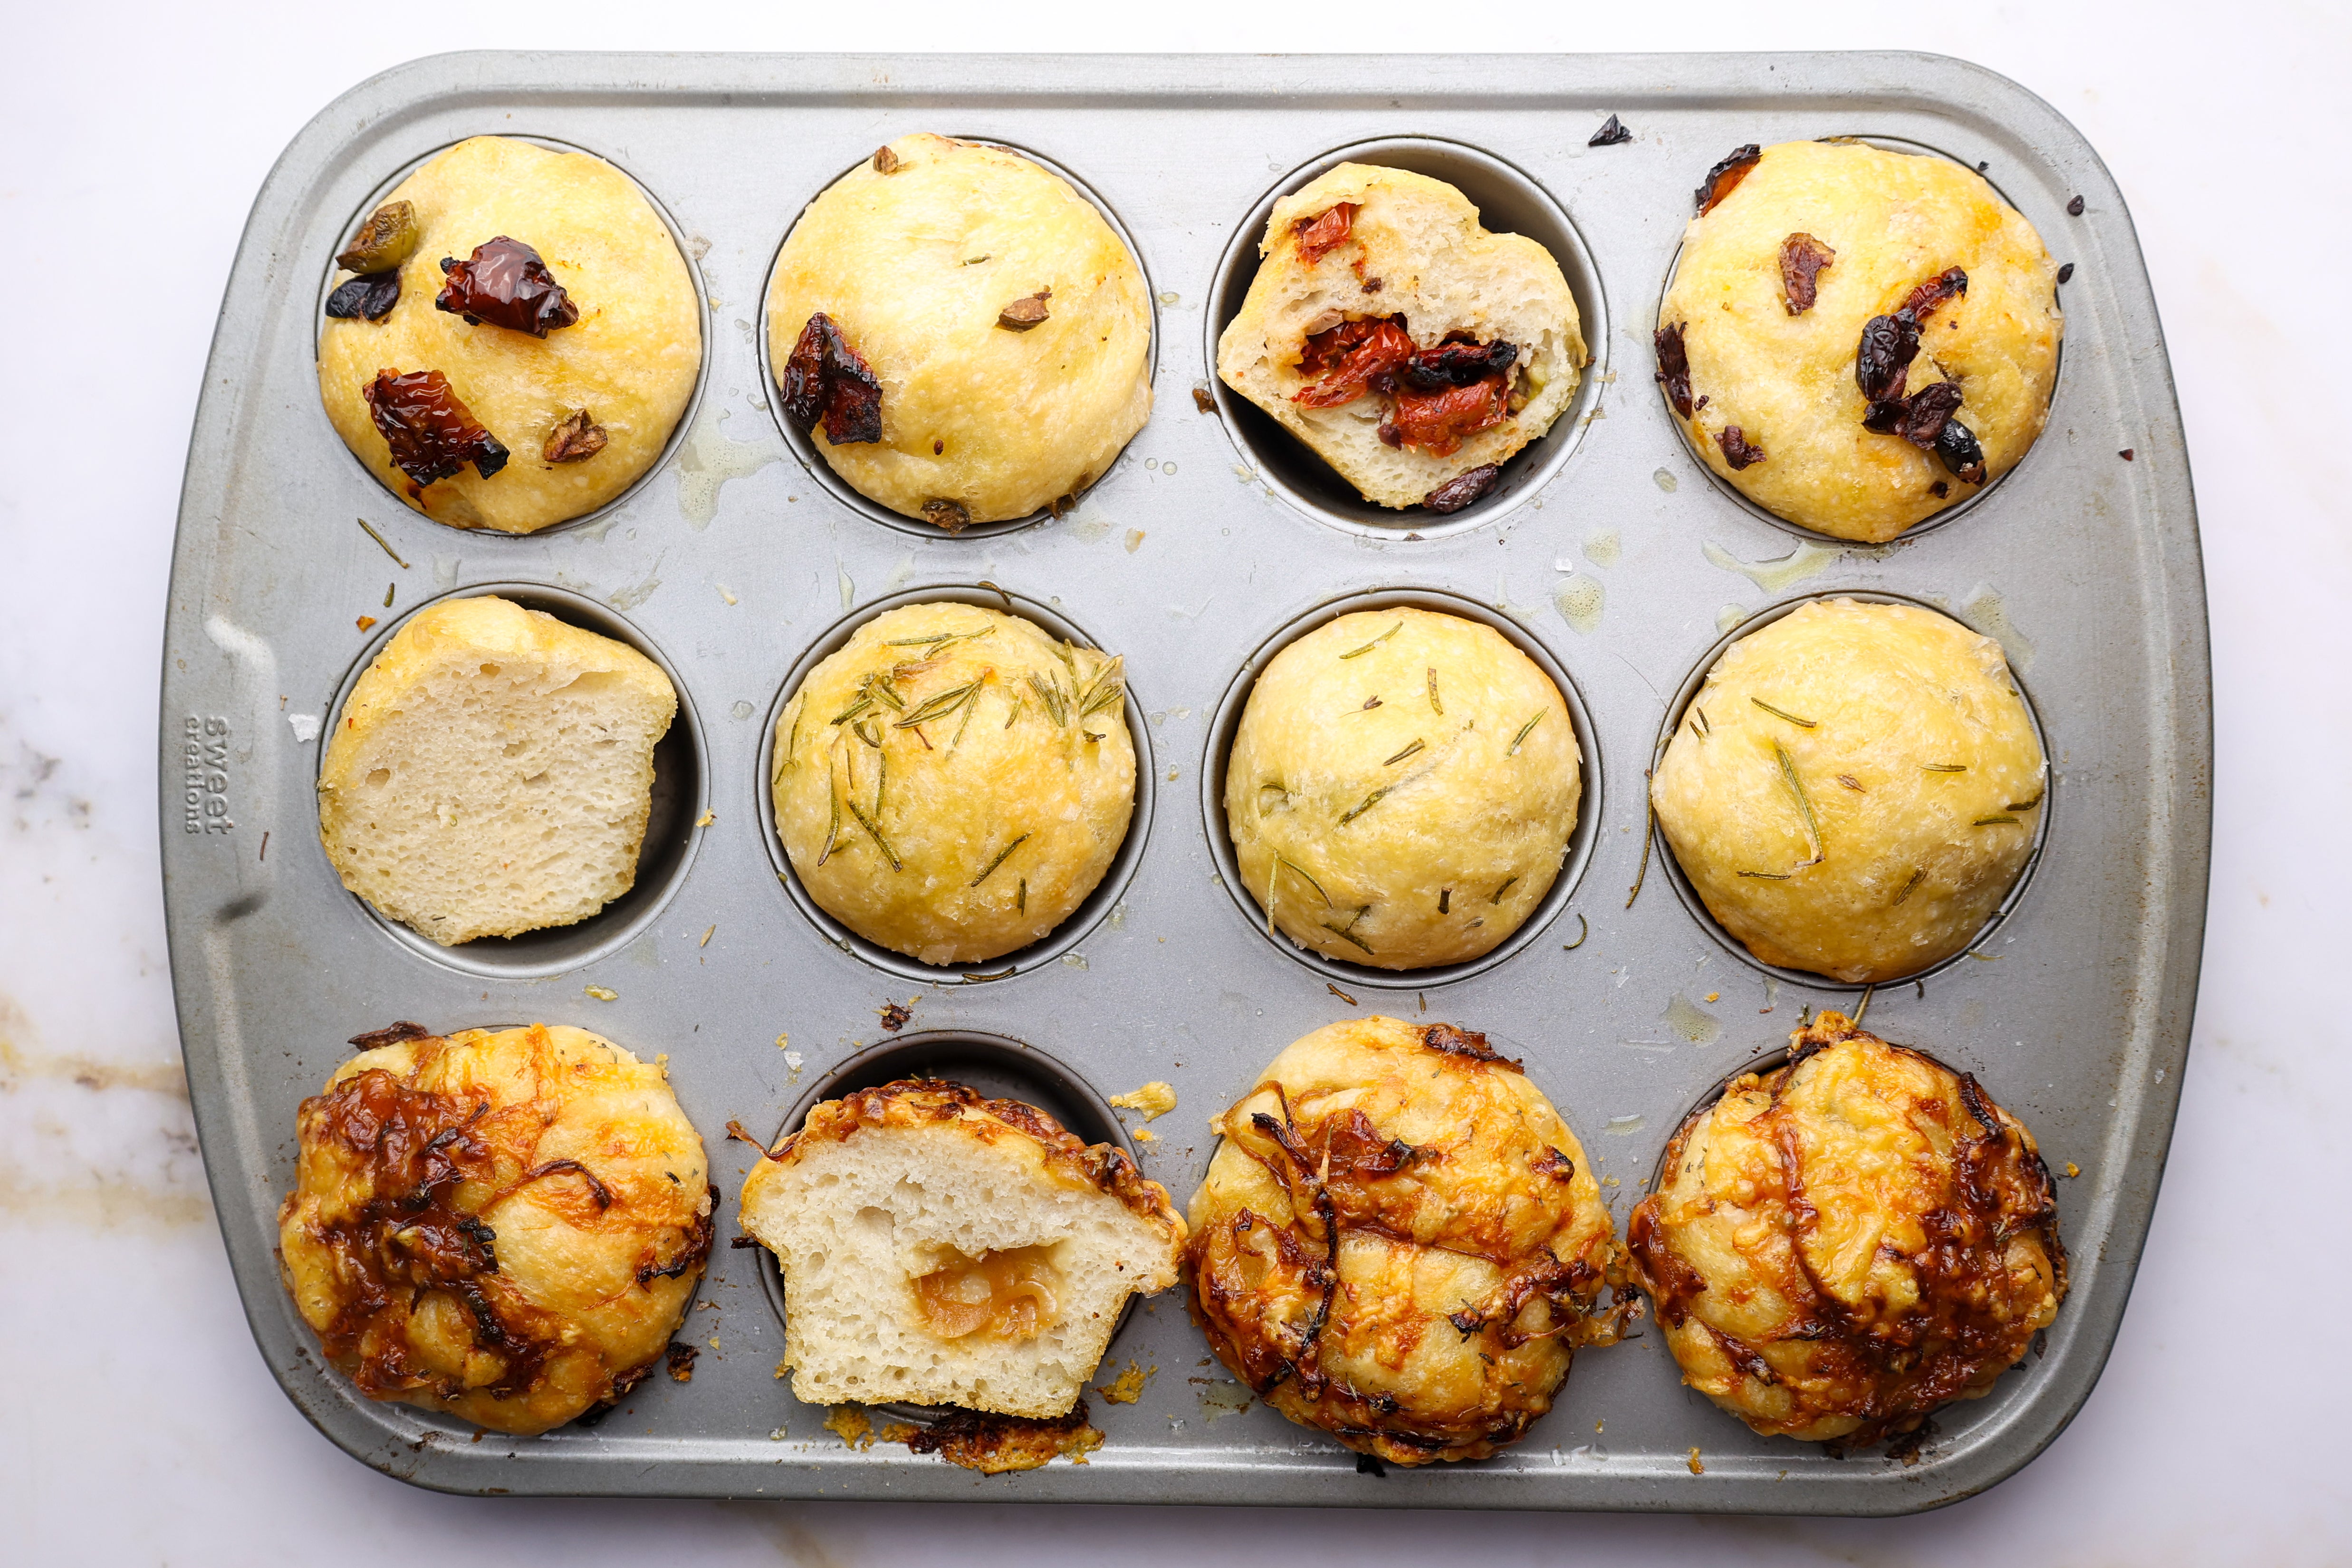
[1724, 177]
[372, 297]
[1925, 299]
[1610, 134]
[1317, 237]
[1456, 364]
[1738, 450]
[1881, 364]
[1802, 259]
[1927, 412]
[431, 432]
[827, 379]
[1956, 445]
[1026, 313]
[1463, 488]
[1674, 367]
[1348, 357]
[505, 283]
[1438, 423]
[574, 440]
[950, 515]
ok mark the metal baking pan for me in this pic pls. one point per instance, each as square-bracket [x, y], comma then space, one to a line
[1607, 548]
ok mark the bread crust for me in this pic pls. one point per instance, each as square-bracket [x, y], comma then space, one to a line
[915, 267]
[1399, 1241]
[630, 361]
[1917, 787]
[1415, 249]
[1466, 752]
[507, 1225]
[1785, 379]
[1845, 1243]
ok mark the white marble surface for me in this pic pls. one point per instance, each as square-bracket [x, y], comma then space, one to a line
[137, 1423]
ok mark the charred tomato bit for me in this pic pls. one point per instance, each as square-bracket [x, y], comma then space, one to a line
[1925, 299]
[886, 162]
[1347, 357]
[386, 239]
[1204, 401]
[1881, 364]
[1463, 488]
[1026, 313]
[505, 283]
[1802, 259]
[1724, 177]
[950, 515]
[1317, 237]
[430, 430]
[827, 379]
[1923, 416]
[574, 440]
[372, 297]
[1736, 449]
[1438, 423]
[1610, 134]
[1940, 488]
[1956, 445]
[1674, 367]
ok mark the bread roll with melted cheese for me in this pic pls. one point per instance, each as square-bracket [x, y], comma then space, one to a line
[1843, 1244]
[1854, 789]
[629, 362]
[1771, 331]
[1399, 1242]
[945, 1250]
[1368, 275]
[954, 782]
[1006, 325]
[1402, 788]
[507, 1225]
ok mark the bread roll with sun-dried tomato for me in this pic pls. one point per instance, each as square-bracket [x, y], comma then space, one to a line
[1843, 1244]
[570, 349]
[1399, 1242]
[955, 780]
[962, 335]
[1797, 256]
[1854, 789]
[505, 1225]
[1405, 346]
[1402, 788]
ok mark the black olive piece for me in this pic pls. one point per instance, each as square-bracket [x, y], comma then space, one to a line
[1674, 367]
[2066, 273]
[1956, 445]
[1724, 177]
[2074, 207]
[1882, 362]
[1611, 133]
[372, 297]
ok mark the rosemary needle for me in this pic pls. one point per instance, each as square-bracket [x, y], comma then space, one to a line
[1916, 878]
[1797, 788]
[1434, 705]
[1370, 801]
[1784, 713]
[1524, 729]
[1376, 642]
[1403, 754]
[991, 869]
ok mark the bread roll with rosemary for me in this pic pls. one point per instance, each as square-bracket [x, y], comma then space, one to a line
[1404, 344]
[954, 780]
[1399, 1242]
[1402, 788]
[555, 401]
[1857, 339]
[1842, 1245]
[1854, 789]
[962, 334]
[492, 771]
[945, 1250]
[505, 1224]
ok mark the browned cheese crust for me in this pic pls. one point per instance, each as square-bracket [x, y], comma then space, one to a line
[1399, 1242]
[1842, 1245]
[931, 1102]
[506, 1226]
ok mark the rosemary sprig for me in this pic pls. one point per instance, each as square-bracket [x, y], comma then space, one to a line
[1110, 686]
[1369, 802]
[991, 867]
[1049, 692]
[1357, 652]
[875, 833]
[879, 685]
[1784, 713]
[1997, 819]
[1524, 729]
[1945, 767]
[1918, 876]
[937, 707]
[865, 700]
[1804, 803]
[1403, 754]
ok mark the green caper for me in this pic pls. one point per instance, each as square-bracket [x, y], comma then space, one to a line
[384, 242]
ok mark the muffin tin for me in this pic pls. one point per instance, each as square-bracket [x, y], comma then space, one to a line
[1606, 551]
